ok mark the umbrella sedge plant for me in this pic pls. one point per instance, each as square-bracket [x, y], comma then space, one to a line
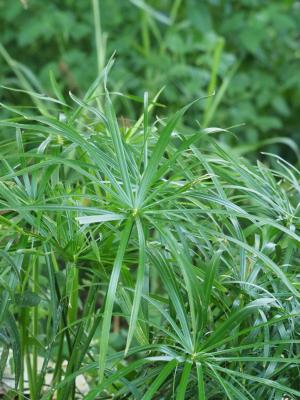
[148, 259]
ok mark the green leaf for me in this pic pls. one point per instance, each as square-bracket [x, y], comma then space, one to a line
[91, 219]
[157, 153]
[257, 379]
[160, 379]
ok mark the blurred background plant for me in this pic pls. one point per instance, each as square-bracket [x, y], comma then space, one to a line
[142, 257]
[247, 51]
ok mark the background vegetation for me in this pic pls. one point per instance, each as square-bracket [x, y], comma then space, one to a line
[143, 253]
[248, 50]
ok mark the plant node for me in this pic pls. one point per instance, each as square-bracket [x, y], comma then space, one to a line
[135, 212]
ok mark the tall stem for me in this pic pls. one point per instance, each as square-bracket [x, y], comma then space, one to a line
[100, 42]
[99, 38]
[35, 316]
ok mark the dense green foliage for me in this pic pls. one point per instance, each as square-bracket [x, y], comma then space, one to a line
[142, 255]
[159, 265]
[247, 50]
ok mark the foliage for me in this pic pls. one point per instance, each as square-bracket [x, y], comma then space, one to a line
[190, 47]
[183, 250]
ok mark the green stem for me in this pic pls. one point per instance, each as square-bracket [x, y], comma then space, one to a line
[72, 291]
[99, 38]
[146, 42]
[213, 80]
[35, 316]
[22, 334]
[174, 10]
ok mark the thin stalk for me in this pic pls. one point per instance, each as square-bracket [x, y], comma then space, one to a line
[35, 316]
[22, 335]
[146, 42]
[146, 123]
[201, 383]
[100, 45]
[213, 80]
[110, 298]
[99, 38]
[82, 340]
[29, 373]
[174, 10]
[145, 34]
[57, 374]
[72, 291]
